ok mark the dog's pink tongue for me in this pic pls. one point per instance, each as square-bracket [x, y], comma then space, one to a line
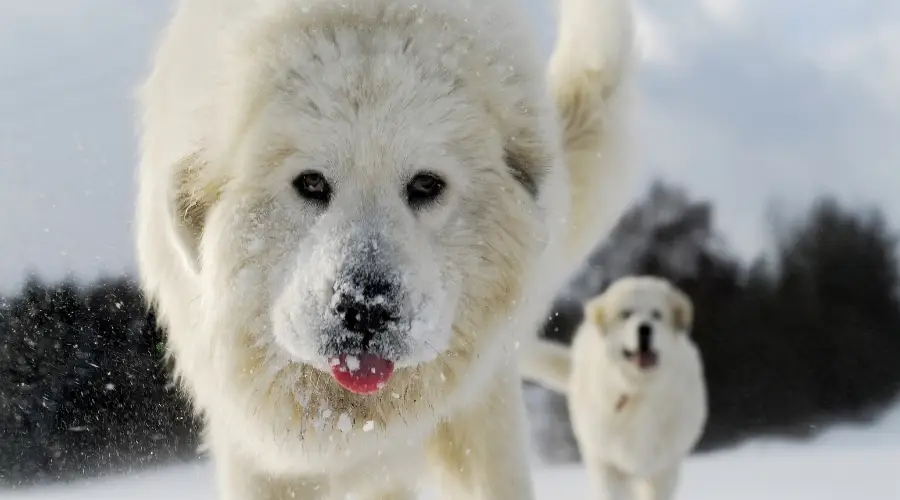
[363, 374]
[646, 360]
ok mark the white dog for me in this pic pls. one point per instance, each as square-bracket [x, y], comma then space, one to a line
[347, 209]
[635, 386]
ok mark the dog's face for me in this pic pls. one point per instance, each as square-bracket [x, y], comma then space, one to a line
[363, 206]
[640, 319]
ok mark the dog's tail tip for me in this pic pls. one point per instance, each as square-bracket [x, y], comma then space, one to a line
[597, 35]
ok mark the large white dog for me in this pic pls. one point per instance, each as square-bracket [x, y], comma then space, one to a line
[347, 211]
[635, 386]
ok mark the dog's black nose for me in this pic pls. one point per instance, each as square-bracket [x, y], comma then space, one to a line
[645, 331]
[364, 306]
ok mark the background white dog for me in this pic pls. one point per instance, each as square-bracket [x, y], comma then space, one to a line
[347, 210]
[635, 386]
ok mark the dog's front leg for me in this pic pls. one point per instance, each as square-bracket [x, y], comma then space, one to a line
[659, 487]
[482, 452]
[390, 484]
[608, 482]
[237, 479]
[397, 494]
[244, 485]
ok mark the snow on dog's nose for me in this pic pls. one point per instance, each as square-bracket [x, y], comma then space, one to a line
[367, 305]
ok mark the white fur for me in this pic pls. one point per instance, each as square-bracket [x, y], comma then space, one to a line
[634, 426]
[243, 97]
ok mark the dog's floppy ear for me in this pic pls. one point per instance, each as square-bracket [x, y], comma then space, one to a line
[682, 310]
[526, 169]
[189, 200]
[527, 158]
[595, 311]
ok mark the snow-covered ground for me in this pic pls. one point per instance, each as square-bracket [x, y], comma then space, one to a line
[844, 464]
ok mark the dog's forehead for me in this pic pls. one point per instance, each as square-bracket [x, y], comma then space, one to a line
[374, 108]
[641, 298]
[392, 134]
[348, 93]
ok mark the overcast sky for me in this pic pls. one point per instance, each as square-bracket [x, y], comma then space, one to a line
[741, 101]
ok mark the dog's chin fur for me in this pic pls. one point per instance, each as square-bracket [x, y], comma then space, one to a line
[243, 97]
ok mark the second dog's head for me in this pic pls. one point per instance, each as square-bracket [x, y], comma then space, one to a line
[640, 318]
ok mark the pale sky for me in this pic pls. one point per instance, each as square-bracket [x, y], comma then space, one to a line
[742, 101]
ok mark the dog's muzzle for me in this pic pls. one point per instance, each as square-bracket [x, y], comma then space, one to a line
[645, 357]
[369, 332]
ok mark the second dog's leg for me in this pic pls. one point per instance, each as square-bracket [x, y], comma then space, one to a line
[608, 482]
[660, 487]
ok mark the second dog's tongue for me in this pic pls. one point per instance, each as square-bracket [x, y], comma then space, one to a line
[363, 373]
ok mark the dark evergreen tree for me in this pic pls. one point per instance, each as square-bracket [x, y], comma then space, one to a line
[82, 386]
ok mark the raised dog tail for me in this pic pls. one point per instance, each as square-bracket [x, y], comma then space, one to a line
[595, 41]
[548, 364]
[587, 76]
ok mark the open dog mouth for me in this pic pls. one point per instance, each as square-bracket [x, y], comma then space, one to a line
[363, 373]
[644, 359]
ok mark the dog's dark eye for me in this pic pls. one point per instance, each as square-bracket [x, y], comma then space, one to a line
[625, 314]
[423, 189]
[657, 314]
[313, 186]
